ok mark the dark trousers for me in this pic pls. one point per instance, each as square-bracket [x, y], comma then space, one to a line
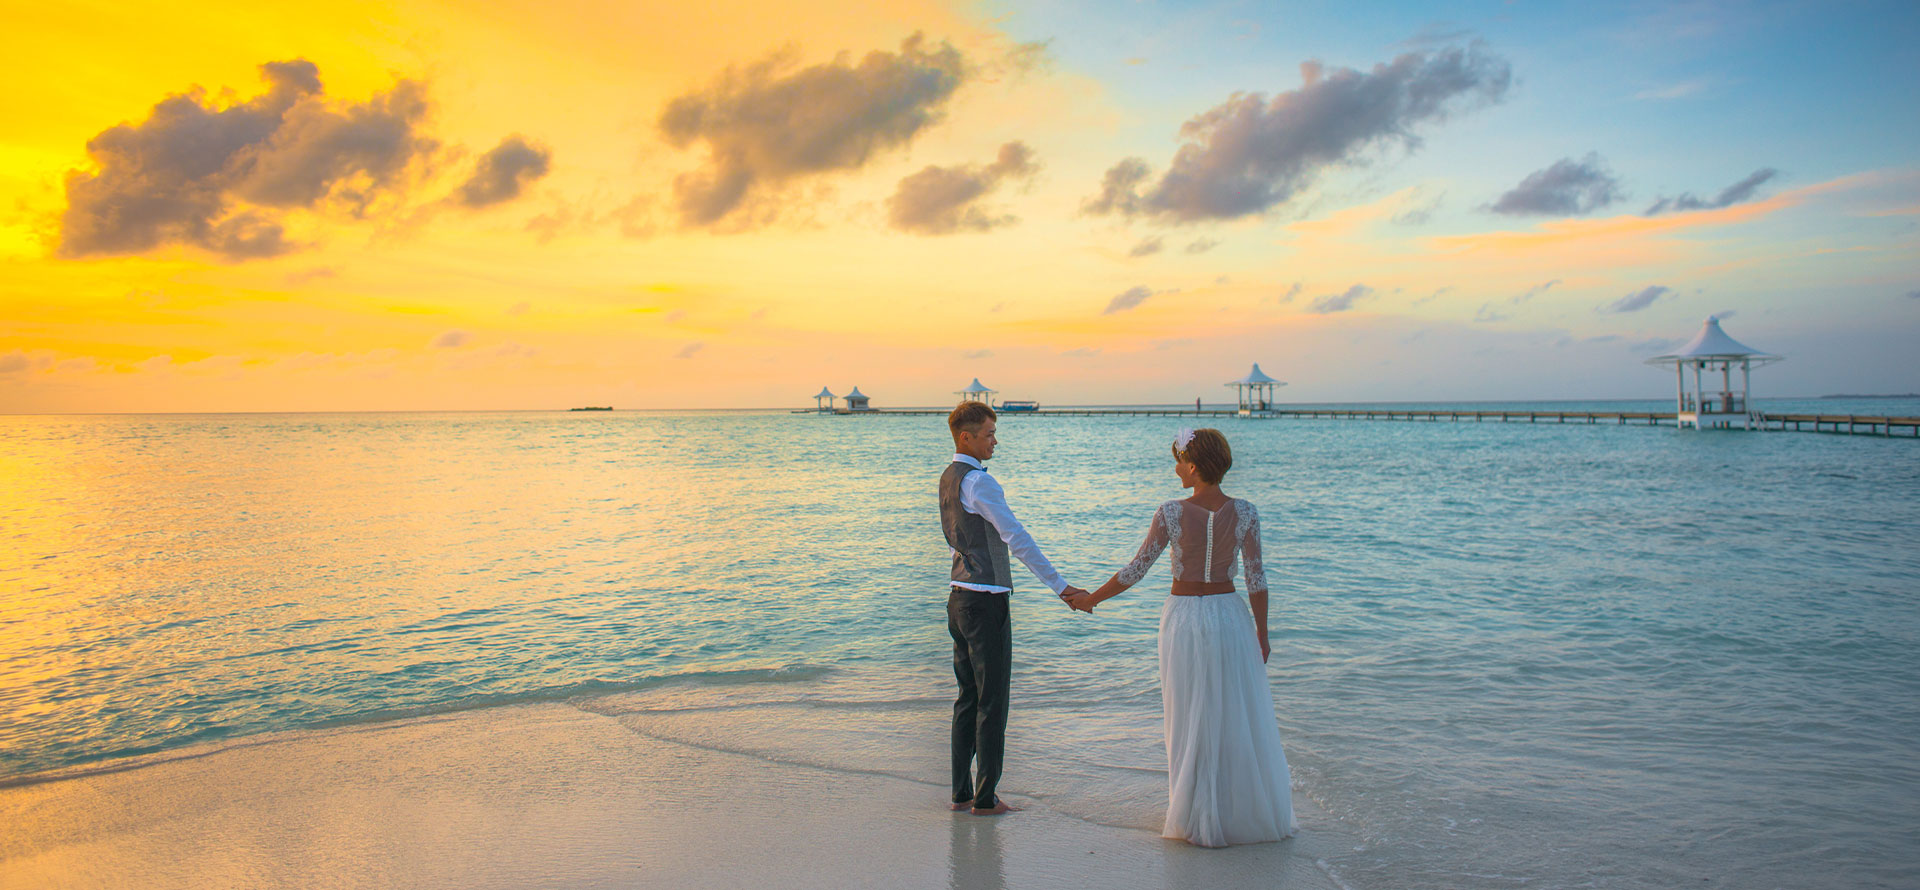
[982, 632]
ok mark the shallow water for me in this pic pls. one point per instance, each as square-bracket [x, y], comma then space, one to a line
[1505, 655]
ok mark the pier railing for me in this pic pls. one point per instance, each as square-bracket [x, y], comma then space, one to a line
[1844, 424]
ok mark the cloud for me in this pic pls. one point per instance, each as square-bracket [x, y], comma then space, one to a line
[941, 200]
[450, 340]
[767, 124]
[1131, 298]
[1292, 292]
[519, 308]
[511, 166]
[1253, 153]
[1147, 247]
[1736, 193]
[689, 350]
[1533, 291]
[1329, 303]
[1567, 187]
[1913, 295]
[1202, 245]
[16, 361]
[977, 353]
[1638, 300]
[1433, 296]
[216, 178]
[1679, 90]
[1488, 314]
[1653, 345]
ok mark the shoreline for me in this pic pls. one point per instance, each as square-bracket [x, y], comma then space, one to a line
[567, 794]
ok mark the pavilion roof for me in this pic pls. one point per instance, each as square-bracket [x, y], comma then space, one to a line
[826, 393]
[1255, 377]
[976, 387]
[856, 394]
[1712, 342]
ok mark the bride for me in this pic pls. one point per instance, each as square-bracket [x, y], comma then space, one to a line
[1227, 780]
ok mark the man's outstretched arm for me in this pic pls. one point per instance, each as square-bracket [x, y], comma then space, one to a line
[982, 494]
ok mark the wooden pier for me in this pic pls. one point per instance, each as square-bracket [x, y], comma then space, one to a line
[1842, 424]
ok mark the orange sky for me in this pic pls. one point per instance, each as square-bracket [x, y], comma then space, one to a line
[589, 284]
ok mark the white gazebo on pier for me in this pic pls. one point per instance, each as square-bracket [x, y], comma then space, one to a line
[1255, 391]
[857, 401]
[976, 393]
[823, 402]
[1713, 350]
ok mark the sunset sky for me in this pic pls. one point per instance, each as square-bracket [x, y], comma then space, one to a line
[417, 205]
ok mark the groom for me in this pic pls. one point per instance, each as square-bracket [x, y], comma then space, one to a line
[981, 531]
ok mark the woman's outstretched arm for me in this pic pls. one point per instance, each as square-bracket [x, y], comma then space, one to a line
[1131, 574]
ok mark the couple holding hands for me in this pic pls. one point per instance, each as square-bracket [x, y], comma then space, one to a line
[1227, 780]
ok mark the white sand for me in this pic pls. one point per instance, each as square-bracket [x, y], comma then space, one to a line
[549, 795]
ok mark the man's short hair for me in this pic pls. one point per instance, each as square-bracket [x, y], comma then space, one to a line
[968, 416]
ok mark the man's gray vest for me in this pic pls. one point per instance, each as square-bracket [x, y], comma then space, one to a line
[979, 556]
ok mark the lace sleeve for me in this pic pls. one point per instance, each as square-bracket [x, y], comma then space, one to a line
[1149, 551]
[1250, 547]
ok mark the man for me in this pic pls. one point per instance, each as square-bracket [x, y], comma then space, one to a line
[981, 532]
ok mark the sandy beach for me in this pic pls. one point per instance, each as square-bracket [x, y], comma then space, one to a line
[556, 795]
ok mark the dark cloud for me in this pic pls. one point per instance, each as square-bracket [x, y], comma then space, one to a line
[511, 166]
[942, 200]
[1147, 247]
[1737, 193]
[1487, 314]
[766, 124]
[450, 340]
[977, 353]
[1131, 298]
[690, 350]
[1653, 345]
[1567, 187]
[1202, 246]
[182, 175]
[1292, 292]
[1329, 303]
[1638, 300]
[1253, 153]
[1433, 296]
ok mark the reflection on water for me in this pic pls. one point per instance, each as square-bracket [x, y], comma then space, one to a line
[1656, 656]
[975, 859]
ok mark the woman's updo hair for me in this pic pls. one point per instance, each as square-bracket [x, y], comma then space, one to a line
[1209, 454]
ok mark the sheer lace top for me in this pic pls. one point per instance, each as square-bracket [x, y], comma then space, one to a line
[1203, 543]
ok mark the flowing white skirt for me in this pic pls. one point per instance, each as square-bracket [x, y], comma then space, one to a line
[1227, 780]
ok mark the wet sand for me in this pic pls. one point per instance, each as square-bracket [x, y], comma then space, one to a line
[553, 795]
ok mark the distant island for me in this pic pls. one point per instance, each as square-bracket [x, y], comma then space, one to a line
[1911, 395]
[592, 408]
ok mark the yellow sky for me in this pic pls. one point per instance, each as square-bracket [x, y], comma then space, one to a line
[587, 289]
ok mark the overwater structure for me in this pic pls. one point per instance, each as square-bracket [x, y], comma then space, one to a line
[1712, 350]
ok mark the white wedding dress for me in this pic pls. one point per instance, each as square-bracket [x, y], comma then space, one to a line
[1227, 780]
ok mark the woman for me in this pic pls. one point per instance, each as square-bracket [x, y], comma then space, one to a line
[1227, 780]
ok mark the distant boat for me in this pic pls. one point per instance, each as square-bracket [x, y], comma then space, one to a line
[1019, 405]
[592, 408]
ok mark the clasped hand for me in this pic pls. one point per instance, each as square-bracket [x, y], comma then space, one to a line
[1077, 598]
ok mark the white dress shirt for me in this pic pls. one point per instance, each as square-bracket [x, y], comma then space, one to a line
[981, 495]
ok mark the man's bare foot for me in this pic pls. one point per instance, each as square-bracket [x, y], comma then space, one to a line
[999, 809]
[963, 805]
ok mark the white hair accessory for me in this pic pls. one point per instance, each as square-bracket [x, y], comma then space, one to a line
[1183, 438]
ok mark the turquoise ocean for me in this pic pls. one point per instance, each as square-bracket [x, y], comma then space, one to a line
[1506, 655]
